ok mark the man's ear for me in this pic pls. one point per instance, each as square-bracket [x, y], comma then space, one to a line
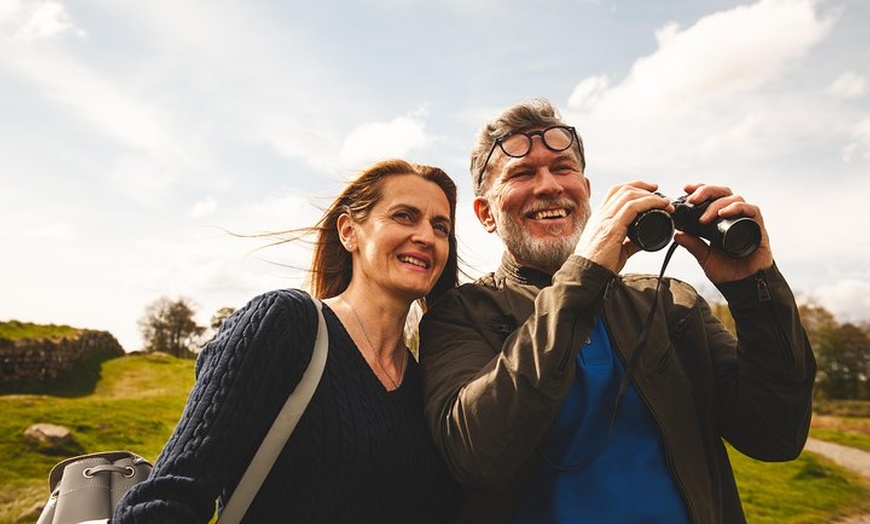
[484, 213]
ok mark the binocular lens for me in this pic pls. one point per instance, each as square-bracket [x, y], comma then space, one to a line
[652, 230]
[740, 237]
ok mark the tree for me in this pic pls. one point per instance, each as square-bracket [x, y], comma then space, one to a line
[217, 320]
[842, 351]
[220, 316]
[844, 363]
[169, 326]
[819, 323]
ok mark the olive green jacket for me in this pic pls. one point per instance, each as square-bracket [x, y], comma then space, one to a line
[497, 360]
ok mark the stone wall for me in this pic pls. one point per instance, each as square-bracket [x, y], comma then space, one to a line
[45, 360]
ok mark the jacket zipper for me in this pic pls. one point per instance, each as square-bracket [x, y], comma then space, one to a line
[764, 297]
[761, 287]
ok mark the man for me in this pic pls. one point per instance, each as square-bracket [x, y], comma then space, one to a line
[530, 389]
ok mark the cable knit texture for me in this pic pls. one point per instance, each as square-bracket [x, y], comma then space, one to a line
[358, 454]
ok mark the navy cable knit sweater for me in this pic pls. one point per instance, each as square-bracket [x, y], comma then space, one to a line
[359, 453]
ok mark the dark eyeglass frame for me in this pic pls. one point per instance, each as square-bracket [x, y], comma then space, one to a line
[529, 136]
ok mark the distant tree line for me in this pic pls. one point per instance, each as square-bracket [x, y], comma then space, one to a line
[842, 352]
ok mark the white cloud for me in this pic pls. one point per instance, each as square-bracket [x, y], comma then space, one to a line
[182, 93]
[698, 93]
[849, 85]
[56, 231]
[37, 20]
[208, 263]
[93, 97]
[587, 94]
[281, 88]
[848, 299]
[860, 144]
[279, 212]
[145, 140]
[204, 208]
[667, 33]
[143, 178]
[722, 53]
[377, 140]
[9, 11]
[293, 140]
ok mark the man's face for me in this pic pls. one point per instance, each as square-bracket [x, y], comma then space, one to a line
[537, 204]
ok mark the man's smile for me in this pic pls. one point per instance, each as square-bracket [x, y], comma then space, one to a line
[548, 214]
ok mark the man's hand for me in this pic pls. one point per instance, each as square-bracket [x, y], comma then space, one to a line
[717, 265]
[604, 238]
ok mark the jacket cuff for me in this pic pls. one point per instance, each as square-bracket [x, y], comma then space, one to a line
[764, 286]
[577, 268]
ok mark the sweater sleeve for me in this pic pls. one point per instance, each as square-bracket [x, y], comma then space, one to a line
[243, 378]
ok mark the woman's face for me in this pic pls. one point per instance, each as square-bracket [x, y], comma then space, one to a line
[402, 247]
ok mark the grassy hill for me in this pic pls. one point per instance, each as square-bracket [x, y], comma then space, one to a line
[15, 330]
[133, 402]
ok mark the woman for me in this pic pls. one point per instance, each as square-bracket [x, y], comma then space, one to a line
[362, 451]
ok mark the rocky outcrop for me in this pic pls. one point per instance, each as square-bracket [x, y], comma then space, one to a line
[45, 360]
[48, 436]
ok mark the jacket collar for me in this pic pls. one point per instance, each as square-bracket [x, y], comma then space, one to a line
[514, 272]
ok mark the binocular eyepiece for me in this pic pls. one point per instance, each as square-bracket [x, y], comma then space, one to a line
[652, 230]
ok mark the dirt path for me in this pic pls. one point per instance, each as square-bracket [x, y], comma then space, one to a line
[854, 459]
[851, 458]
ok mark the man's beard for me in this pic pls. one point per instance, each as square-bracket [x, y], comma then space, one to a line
[548, 253]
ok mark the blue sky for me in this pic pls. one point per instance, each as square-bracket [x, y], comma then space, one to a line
[133, 135]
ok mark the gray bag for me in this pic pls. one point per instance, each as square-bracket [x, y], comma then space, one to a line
[85, 489]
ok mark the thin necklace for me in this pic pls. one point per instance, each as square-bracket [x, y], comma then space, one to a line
[377, 360]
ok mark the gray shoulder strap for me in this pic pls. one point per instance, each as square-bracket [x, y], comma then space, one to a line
[280, 431]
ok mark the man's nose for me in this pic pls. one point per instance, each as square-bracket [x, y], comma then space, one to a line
[547, 183]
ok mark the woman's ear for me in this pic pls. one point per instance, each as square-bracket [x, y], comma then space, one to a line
[484, 213]
[346, 232]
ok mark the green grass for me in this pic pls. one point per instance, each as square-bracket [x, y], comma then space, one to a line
[845, 422]
[135, 405]
[852, 439]
[133, 402]
[810, 490]
[15, 330]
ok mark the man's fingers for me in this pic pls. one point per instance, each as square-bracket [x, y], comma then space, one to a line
[694, 245]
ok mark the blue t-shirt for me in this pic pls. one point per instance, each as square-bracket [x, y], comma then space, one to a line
[617, 475]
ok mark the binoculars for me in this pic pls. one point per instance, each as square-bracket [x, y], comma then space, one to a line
[652, 230]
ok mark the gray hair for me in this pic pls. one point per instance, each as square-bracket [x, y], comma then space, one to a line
[537, 112]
